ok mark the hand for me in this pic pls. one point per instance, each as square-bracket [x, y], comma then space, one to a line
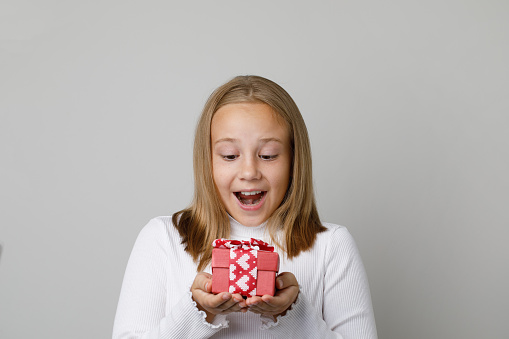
[213, 304]
[287, 290]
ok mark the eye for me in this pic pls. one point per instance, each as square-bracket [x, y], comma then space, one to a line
[229, 157]
[267, 157]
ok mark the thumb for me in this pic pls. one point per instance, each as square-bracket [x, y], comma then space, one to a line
[285, 280]
[208, 286]
[202, 282]
[207, 282]
[280, 283]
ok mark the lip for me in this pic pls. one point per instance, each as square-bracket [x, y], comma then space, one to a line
[252, 207]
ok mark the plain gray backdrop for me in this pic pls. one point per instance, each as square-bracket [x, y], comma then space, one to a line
[406, 103]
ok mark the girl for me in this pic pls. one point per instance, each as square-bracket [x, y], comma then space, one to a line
[252, 172]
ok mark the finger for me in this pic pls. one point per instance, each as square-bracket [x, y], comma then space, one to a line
[259, 310]
[255, 310]
[212, 301]
[285, 280]
[259, 306]
[236, 301]
[237, 297]
[235, 307]
[253, 300]
[207, 281]
[224, 301]
[254, 303]
[265, 307]
[207, 275]
[202, 281]
[272, 301]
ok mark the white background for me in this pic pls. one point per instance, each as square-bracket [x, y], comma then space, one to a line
[406, 104]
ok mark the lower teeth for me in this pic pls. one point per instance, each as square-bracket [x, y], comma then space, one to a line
[250, 202]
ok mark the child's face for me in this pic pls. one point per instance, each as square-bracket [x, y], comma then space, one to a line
[251, 160]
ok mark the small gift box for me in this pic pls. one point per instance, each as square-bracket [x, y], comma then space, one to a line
[245, 267]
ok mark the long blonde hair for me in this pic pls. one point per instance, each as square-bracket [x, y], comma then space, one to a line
[206, 218]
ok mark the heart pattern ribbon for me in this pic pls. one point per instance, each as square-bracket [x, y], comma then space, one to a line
[243, 263]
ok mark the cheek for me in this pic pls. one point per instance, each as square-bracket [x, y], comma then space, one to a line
[285, 178]
[216, 178]
[281, 180]
[221, 177]
[216, 169]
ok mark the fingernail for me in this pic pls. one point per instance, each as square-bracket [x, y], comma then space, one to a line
[280, 283]
[226, 296]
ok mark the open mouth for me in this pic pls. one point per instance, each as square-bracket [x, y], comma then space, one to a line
[250, 198]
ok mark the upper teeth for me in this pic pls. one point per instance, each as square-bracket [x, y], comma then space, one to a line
[251, 193]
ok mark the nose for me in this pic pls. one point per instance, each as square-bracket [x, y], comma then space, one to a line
[249, 169]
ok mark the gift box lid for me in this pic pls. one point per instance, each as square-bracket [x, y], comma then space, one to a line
[267, 261]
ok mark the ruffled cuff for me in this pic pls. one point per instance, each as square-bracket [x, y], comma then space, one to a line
[219, 321]
[268, 321]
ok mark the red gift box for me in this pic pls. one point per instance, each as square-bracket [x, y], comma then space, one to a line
[245, 267]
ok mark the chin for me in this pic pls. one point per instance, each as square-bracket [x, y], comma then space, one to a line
[250, 221]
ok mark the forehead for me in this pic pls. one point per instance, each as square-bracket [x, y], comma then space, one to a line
[243, 119]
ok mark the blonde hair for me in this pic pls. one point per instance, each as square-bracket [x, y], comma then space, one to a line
[206, 218]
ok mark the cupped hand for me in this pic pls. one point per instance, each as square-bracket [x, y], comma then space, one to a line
[287, 290]
[213, 304]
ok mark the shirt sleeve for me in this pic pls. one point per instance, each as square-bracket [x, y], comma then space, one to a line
[347, 309]
[142, 303]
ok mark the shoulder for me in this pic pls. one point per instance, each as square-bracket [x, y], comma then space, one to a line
[157, 225]
[334, 233]
[337, 241]
[159, 230]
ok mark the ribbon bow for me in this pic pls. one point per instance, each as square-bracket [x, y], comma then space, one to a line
[253, 244]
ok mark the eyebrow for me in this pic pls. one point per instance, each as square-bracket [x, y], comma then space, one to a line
[263, 140]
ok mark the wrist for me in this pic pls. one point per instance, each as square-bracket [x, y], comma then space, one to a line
[209, 316]
[288, 308]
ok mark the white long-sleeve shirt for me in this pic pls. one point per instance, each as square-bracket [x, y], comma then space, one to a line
[155, 301]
